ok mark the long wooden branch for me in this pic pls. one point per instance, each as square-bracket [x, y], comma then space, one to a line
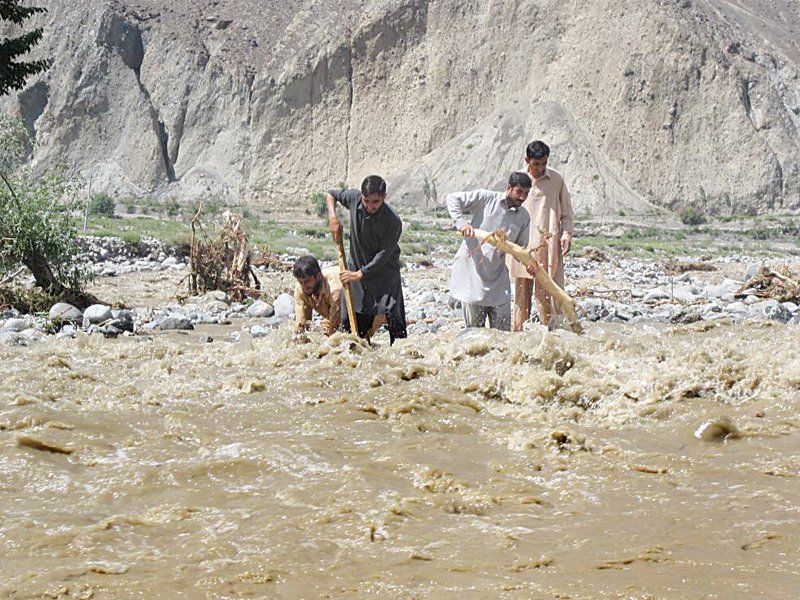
[499, 241]
[348, 299]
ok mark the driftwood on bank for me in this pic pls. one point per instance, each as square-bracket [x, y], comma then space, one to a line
[224, 263]
[499, 241]
[778, 283]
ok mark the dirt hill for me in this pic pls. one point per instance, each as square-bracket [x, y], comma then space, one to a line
[646, 105]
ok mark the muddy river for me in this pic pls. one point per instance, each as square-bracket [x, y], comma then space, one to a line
[630, 462]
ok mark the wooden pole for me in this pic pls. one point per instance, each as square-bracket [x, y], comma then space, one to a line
[499, 241]
[348, 299]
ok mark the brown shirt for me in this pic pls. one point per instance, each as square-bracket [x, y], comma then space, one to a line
[551, 212]
[327, 303]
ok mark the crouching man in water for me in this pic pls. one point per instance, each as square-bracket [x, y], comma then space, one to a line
[373, 270]
[316, 290]
[479, 278]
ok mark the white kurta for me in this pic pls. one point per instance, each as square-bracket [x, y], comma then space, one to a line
[479, 274]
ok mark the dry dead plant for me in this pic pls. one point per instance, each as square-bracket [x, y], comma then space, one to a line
[224, 262]
[675, 267]
[778, 283]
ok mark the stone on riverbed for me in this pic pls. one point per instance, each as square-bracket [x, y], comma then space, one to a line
[175, 322]
[284, 305]
[260, 309]
[65, 313]
[97, 313]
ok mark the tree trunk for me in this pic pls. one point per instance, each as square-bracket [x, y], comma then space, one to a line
[43, 274]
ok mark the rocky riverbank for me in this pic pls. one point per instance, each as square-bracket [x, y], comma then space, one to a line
[606, 289]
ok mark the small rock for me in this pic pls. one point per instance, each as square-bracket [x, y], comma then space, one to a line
[257, 331]
[720, 429]
[175, 323]
[751, 271]
[284, 305]
[65, 313]
[15, 325]
[97, 313]
[260, 309]
[657, 294]
[215, 306]
[124, 319]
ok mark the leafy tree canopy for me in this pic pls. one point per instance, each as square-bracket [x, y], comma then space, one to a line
[37, 216]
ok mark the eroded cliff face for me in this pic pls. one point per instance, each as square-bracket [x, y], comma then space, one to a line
[645, 104]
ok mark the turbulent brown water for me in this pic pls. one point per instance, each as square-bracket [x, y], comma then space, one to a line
[472, 465]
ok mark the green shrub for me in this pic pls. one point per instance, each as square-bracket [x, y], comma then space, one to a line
[102, 204]
[692, 216]
[172, 207]
[37, 225]
[318, 204]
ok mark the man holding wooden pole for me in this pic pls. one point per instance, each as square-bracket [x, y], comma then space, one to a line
[373, 269]
[479, 278]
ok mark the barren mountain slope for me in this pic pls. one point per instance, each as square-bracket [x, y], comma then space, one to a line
[645, 104]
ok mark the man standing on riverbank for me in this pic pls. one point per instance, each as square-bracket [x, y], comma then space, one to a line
[316, 290]
[373, 270]
[480, 278]
[550, 239]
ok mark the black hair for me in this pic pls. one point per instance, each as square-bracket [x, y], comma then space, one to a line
[537, 149]
[374, 184]
[520, 179]
[305, 266]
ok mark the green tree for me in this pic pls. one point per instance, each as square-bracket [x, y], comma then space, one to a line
[37, 223]
[14, 72]
[102, 204]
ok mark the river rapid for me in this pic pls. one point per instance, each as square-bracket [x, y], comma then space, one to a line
[646, 462]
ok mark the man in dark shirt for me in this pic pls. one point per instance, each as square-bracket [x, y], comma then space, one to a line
[373, 269]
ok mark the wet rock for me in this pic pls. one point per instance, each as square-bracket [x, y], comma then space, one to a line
[213, 296]
[12, 338]
[687, 294]
[453, 303]
[419, 328]
[67, 331]
[751, 271]
[14, 325]
[124, 319]
[260, 309]
[719, 429]
[63, 312]
[274, 321]
[257, 331]
[737, 308]
[724, 290]
[176, 322]
[774, 311]
[97, 313]
[657, 294]
[213, 307]
[440, 324]
[284, 305]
